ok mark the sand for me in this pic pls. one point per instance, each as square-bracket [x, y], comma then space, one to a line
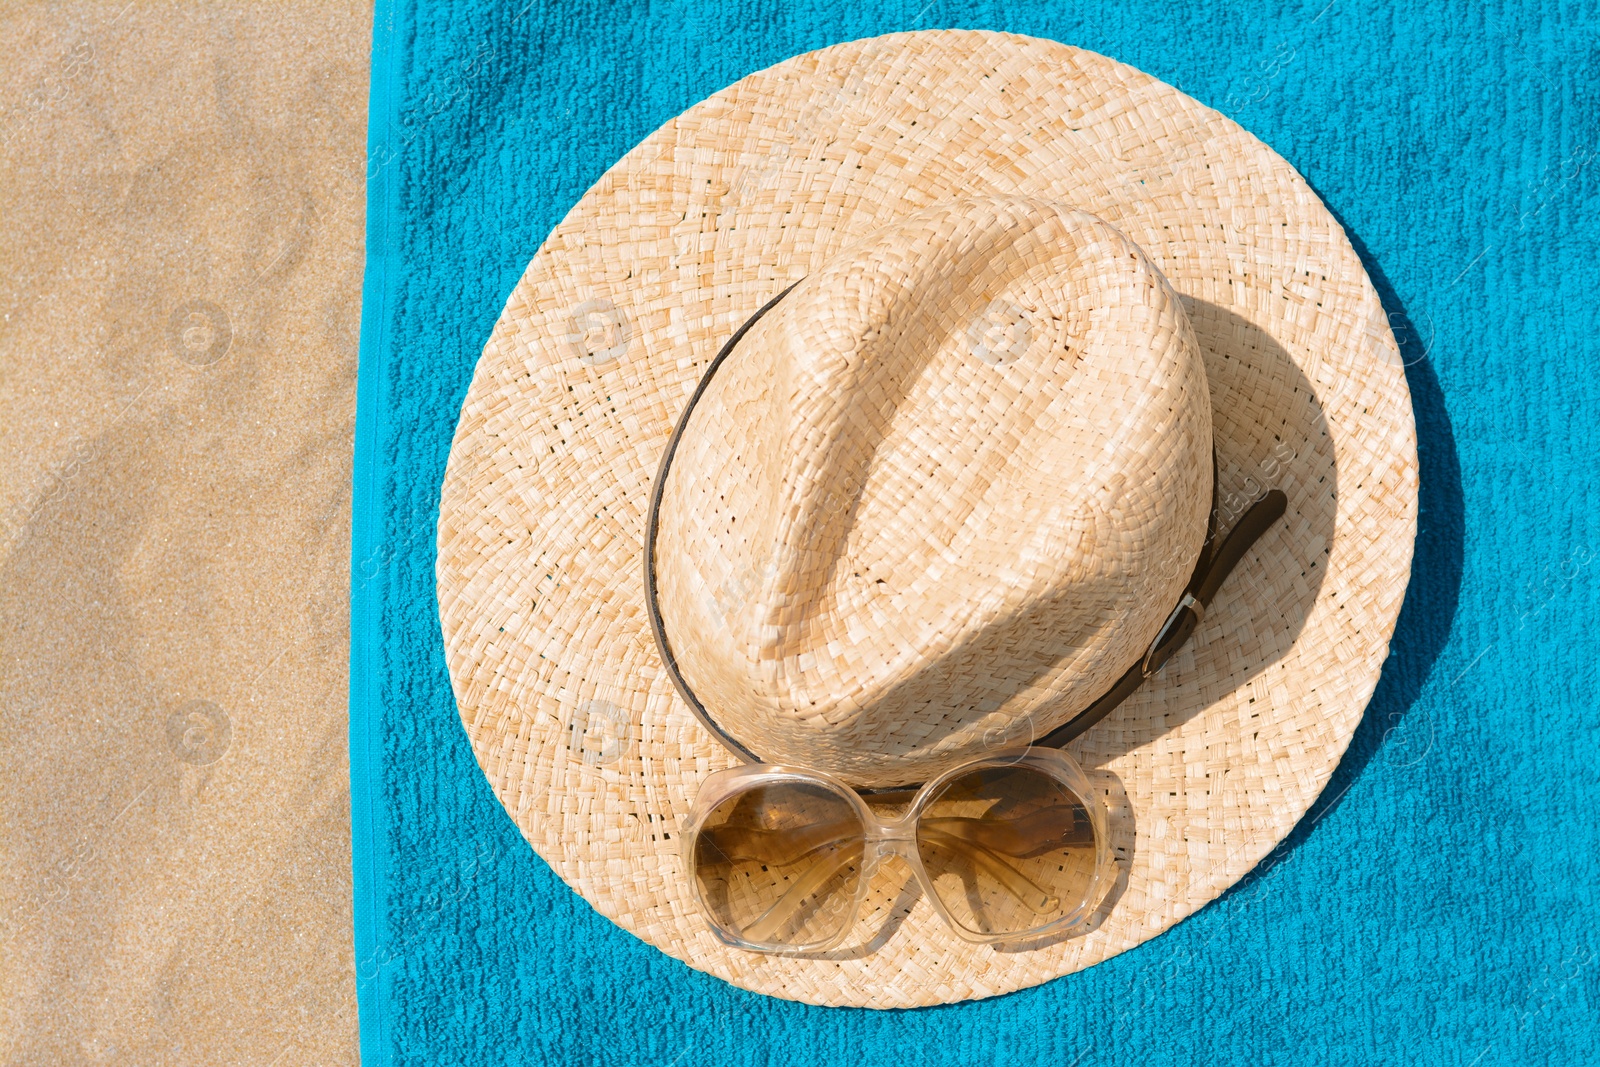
[181, 194]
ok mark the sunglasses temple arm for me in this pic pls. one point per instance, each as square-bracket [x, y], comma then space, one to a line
[741, 843]
[1203, 587]
[1019, 885]
[818, 875]
[1013, 881]
[1019, 838]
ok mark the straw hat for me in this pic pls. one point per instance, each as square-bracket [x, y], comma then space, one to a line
[939, 496]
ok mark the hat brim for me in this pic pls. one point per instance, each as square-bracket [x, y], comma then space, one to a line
[1211, 764]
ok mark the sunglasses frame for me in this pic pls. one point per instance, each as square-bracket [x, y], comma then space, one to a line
[883, 838]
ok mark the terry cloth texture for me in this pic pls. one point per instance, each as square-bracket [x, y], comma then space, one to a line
[1437, 905]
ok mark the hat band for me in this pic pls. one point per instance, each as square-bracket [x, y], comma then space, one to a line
[1211, 569]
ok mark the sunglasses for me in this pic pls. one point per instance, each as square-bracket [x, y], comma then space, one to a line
[1011, 846]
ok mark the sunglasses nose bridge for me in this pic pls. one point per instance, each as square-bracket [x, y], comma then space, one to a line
[893, 836]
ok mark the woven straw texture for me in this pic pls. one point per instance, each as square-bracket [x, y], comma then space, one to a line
[539, 576]
[942, 496]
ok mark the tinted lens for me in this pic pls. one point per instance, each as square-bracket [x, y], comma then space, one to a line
[1009, 850]
[780, 864]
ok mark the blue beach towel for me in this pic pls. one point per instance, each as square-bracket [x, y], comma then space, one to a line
[1437, 905]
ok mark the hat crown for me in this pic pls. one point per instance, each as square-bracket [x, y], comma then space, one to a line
[940, 496]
